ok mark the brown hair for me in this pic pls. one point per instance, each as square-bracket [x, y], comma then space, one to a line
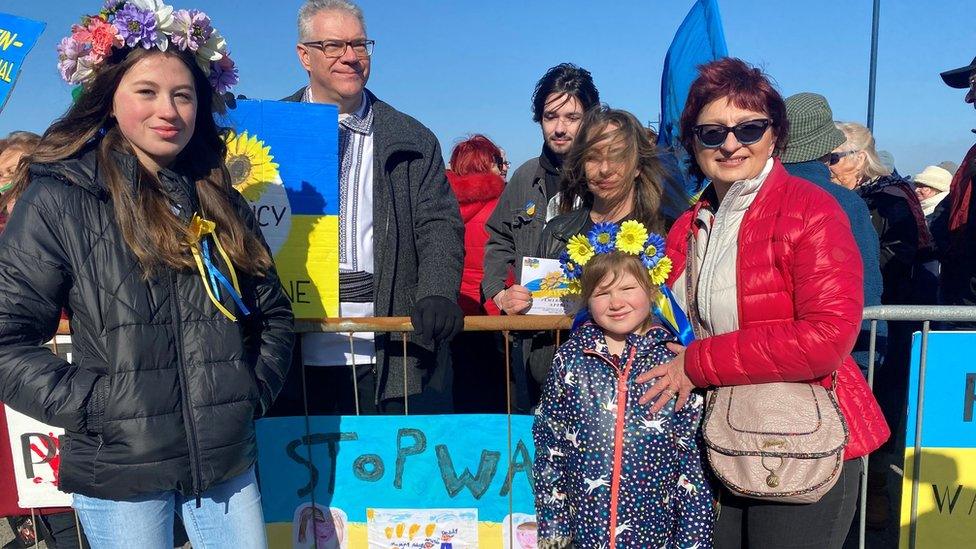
[614, 264]
[20, 140]
[153, 232]
[640, 153]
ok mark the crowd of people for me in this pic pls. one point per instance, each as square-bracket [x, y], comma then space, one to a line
[126, 224]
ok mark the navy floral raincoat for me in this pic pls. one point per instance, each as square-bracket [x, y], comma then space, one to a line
[609, 474]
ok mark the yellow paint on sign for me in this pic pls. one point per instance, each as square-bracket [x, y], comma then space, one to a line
[946, 498]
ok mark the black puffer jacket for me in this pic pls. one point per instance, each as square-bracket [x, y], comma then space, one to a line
[164, 389]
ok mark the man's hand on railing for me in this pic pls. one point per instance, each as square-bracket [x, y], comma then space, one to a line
[436, 318]
[514, 300]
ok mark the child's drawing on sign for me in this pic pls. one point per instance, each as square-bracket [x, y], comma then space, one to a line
[422, 528]
[49, 456]
[520, 531]
[320, 527]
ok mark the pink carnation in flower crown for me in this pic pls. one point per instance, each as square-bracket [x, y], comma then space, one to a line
[98, 34]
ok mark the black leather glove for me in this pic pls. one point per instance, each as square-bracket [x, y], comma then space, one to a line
[436, 318]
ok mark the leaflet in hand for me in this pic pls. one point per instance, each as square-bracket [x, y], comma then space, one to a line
[544, 278]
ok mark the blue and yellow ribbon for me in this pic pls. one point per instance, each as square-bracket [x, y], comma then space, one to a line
[211, 276]
[669, 311]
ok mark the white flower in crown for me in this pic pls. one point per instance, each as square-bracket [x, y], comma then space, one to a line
[214, 49]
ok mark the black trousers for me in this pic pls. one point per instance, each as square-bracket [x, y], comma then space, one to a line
[756, 524]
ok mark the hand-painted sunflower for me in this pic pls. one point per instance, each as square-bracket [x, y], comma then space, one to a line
[251, 165]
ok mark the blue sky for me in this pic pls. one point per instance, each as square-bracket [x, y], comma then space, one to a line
[470, 66]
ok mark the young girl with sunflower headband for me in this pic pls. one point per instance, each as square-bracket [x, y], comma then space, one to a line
[126, 218]
[609, 473]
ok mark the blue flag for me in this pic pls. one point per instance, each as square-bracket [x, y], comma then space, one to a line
[17, 37]
[699, 39]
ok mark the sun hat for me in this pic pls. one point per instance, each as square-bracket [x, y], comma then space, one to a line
[959, 78]
[935, 177]
[812, 130]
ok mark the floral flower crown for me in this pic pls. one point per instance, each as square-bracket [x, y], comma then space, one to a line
[147, 24]
[630, 237]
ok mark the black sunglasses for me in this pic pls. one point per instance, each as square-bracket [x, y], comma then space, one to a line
[835, 157]
[713, 135]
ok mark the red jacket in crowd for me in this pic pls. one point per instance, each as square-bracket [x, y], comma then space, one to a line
[477, 194]
[800, 302]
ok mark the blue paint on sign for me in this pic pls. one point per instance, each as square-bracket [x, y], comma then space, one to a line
[410, 462]
[17, 37]
[948, 415]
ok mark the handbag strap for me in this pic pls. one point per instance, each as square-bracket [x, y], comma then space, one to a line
[691, 279]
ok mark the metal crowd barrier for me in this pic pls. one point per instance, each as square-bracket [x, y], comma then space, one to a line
[926, 314]
[911, 313]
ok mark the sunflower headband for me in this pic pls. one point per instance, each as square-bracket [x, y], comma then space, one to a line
[147, 24]
[630, 237]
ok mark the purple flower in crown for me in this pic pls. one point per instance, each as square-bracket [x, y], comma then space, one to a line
[223, 74]
[191, 29]
[69, 50]
[136, 27]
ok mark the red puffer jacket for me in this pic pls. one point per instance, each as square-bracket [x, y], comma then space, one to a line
[800, 301]
[477, 194]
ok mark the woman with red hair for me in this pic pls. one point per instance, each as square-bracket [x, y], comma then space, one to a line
[475, 176]
[771, 278]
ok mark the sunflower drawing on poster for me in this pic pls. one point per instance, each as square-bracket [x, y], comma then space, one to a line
[283, 158]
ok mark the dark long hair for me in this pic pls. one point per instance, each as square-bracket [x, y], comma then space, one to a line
[568, 79]
[652, 179]
[154, 234]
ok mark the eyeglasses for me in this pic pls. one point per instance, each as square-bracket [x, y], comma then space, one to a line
[337, 48]
[713, 135]
[836, 157]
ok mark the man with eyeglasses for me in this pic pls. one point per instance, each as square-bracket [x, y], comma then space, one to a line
[953, 226]
[400, 233]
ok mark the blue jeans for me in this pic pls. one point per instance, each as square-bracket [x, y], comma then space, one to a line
[229, 516]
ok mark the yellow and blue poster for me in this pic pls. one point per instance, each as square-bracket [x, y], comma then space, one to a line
[455, 481]
[283, 157]
[17, 37]
[947, 471]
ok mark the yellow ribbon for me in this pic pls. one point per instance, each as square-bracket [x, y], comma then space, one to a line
[199, 228]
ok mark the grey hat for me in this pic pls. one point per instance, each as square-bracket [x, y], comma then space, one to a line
[812, 130]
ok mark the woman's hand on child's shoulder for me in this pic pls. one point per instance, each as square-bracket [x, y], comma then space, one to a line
[672, 382]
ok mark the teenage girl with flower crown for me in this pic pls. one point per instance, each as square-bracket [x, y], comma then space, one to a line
[608, 472]
[181, 331]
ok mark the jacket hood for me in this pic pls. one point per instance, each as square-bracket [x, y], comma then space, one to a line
[476, 187]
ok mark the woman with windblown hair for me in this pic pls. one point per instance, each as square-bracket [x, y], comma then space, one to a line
[126, 218]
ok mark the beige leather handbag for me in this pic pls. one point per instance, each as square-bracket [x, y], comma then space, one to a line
[780, 442]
